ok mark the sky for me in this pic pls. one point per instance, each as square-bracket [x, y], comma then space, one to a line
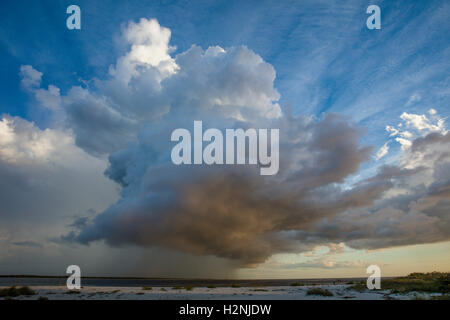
[86, 117]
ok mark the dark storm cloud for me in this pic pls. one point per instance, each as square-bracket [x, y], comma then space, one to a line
[421, 215]
[239, 215]
[235, 213]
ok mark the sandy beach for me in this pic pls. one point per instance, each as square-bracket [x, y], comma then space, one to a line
[339, 292]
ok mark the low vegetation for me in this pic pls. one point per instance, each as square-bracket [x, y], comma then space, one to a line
[76, 292]
[235, 285]
[432, 282]
[443, 297]
[319, 292]
[147, 288]
[188, 288]
[211, 286]
[296, 284]
[16, 292]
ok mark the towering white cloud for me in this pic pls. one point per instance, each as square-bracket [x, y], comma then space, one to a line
[232, 212]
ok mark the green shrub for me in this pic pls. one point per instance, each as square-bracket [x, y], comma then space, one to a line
[15, 292]
[358, 286]
[443, 297]
[77, 292]
[432, 282]
[319, 292]
[26, 291]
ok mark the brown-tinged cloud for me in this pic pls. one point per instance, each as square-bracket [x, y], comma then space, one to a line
[233, 212]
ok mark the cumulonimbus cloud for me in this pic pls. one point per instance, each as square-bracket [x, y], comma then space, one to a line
[231, 211]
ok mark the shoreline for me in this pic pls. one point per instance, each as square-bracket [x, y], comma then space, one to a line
[169, 282]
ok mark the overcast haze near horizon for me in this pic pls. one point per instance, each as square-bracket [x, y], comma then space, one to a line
[86, 117]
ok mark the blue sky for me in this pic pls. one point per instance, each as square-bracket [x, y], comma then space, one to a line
[325, 59]
[324, 56]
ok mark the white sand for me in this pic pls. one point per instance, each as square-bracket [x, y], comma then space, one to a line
[340, 292]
